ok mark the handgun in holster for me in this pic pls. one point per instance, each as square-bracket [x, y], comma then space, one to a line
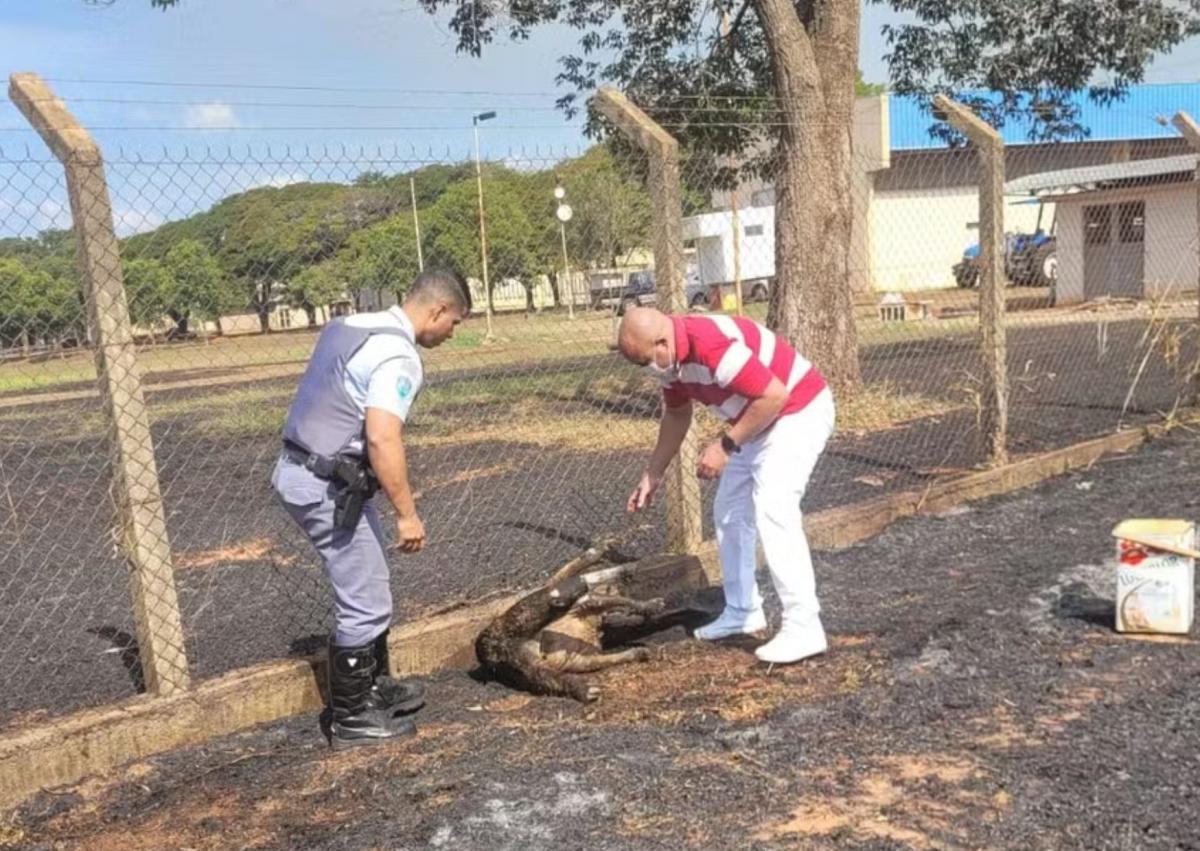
[356, 485]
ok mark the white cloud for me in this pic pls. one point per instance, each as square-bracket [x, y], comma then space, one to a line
[211, 116]
[21, 217]
[259, 181]
[130, 220]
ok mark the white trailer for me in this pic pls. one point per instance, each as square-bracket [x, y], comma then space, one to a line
[724, 253]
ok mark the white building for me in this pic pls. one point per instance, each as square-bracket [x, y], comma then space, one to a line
[916, 201]
[1124, 230]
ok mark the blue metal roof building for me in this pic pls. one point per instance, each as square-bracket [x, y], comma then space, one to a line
[1134, 117]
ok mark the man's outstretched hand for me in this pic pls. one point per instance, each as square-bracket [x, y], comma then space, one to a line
[643, 494]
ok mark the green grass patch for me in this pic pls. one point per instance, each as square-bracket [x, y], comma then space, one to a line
[465, 340]
[29, 376]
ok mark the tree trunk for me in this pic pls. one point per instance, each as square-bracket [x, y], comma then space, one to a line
[312, 316]
[814, 53]
[262, 305]
[181, 323]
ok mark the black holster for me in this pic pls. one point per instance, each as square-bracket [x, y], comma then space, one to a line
[356, 484]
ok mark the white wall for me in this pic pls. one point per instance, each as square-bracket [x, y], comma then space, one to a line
[714, 233]
[917, 236]
[509, 294]
[1171, 258]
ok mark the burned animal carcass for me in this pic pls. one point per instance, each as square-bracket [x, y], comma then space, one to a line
[545, 641]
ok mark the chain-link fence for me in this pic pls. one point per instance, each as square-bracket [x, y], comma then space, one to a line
[531, 430]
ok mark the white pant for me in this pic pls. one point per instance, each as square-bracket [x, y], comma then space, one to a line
[759, 495]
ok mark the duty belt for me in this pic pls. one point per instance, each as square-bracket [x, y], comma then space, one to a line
[354, 481]
[319, 465]
[333, 468]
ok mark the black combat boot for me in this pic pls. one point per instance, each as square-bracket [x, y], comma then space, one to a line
[401, 697]
[353, 717]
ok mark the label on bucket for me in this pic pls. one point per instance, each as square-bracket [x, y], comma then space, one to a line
[1155, 587]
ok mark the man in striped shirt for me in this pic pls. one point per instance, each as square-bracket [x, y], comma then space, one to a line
[780, 415]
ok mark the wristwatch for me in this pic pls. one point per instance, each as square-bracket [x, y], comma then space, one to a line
[729, 446]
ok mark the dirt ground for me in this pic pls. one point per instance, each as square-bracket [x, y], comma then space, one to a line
[975, 696]
[501, 511]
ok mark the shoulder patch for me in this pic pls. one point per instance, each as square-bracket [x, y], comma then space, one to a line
[404, 387]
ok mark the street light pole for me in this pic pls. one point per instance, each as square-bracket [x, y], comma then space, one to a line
[487, 290]
[563, 213]
[412, 189]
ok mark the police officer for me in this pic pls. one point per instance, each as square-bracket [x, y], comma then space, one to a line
[342, 441]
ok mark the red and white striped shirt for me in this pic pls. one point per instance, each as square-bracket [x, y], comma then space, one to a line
[726, 362]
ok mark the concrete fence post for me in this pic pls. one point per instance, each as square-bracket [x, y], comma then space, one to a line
[684, 529]
[142, 524]
[992, 283]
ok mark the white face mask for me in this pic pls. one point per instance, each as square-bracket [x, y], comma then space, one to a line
[660, 373]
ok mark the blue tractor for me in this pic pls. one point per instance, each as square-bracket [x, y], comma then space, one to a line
[1029, 258]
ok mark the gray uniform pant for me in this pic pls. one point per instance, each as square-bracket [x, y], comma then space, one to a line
[354, 561]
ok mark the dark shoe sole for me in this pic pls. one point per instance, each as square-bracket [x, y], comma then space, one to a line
[341, 742]
[408, 707]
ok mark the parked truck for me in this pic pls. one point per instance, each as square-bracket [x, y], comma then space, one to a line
[724, 255]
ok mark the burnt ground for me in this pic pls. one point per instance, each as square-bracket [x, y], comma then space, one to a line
[500, 513]
[975, 696]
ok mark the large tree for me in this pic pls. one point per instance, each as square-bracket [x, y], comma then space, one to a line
[150, 289]
[202, 291]
[611, 211]
[316, 287]
[268, 235]
[20, 301]
[516, 246]
[41, 300]
[382, 257]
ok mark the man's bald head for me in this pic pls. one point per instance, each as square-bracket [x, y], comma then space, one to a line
[644, 331]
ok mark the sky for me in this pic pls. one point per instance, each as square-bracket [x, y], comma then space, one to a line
[300, 78]
[396, 64]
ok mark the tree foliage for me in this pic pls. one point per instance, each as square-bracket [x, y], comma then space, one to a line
[451, 229]
[381, 257]
[307, 244]
[317, 286]
[202, 289]
[1031, 61]
[611, 212]
[149, 289]
[40, 298]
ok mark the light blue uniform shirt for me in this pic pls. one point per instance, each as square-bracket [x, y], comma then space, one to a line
[386, 373]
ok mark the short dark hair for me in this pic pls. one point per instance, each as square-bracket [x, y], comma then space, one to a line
[442, 285]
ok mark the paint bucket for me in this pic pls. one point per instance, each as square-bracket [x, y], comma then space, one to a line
[1156, 561]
